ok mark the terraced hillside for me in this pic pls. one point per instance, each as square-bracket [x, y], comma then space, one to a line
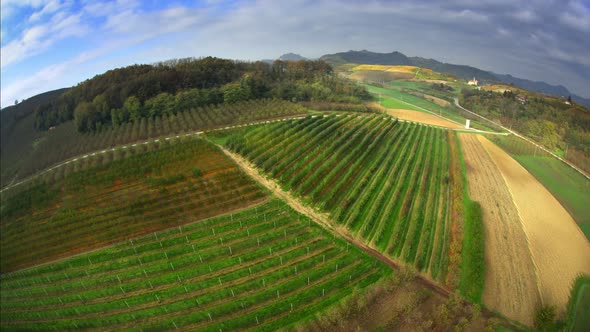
[262, 268]
[386, 181]
[178, 183]
[30, 152]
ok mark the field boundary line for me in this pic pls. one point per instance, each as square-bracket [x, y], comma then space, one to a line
[322, 219]
[520, 221]
[60, 259]
[428, 111]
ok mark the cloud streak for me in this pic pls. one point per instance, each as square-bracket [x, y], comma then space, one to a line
[537, 39]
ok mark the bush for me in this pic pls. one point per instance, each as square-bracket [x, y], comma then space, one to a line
[197, 173]
[545, 317]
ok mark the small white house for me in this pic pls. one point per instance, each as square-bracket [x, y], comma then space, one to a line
[473, 82]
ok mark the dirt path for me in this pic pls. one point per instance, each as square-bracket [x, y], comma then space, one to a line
[323, 220]
[558, 246]
[510, 280]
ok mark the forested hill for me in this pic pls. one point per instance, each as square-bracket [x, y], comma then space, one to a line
[139, 91]
[11, 114]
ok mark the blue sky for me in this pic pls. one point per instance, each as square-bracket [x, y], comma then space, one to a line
[49, 44]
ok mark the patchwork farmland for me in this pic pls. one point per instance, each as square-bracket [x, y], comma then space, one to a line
[386, 181]
[264, 267]
[175, 184]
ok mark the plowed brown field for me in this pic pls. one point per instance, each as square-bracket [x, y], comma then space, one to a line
[510, 280]
[559, 248]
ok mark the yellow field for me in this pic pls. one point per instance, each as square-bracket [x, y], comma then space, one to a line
[403, 69]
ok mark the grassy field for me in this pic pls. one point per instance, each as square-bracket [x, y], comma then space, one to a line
[387, 182]
[472, 277]
[390, 102]
[567, 185]
[262, 268]
[395, 95]
[570, 187]
[578, 311]
[177, 183]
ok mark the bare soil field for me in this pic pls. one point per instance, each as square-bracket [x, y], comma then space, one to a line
[559, 248]
[421, 117]
[510, 280]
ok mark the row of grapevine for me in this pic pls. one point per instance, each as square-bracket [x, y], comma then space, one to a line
[178, 183]
[265, 267]
[386, 181]
[65, 142]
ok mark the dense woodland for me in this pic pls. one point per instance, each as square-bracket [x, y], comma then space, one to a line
[549, 121]
[147, 91]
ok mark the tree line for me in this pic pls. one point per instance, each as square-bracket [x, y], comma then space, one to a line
[135, 92]
[561, 127]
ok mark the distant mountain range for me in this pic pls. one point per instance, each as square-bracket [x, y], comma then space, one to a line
[459, 71]
[291, 57]
[287, 57]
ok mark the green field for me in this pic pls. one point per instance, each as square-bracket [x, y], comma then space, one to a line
[387, 182]
[262, 268]
[48, 148]
[119, 198]
[396, 103]
[393, 96]
[570, 187]
[578, 311]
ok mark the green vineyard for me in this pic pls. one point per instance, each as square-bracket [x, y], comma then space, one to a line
[177, 183]
[65, 142]
[263, 268]
[385, 180]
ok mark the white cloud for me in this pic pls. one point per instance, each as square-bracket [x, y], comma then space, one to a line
[576, 16]
[48, 9]
[526, 16]
[39, 38]
[489, 33]
[9, 7]
[29, 86]
[109, 8]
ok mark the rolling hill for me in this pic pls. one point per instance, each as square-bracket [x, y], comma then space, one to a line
[460, 71]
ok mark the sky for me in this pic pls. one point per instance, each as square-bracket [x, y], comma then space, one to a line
[50, 44]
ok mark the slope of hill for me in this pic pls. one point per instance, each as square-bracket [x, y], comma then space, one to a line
[291, 57]
[9, 115]
[175, 184]
[18, 136]
[136, 95]
[367, 57]
[390, 184]
[460, 71]
[542, 87]
[397, 58]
